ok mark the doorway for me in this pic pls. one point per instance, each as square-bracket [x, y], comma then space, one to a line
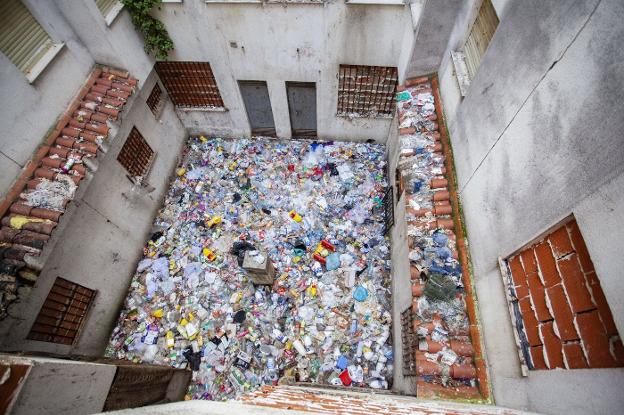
[258, 107]
[302, 108]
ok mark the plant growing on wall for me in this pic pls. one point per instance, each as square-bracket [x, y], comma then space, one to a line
[157, 39]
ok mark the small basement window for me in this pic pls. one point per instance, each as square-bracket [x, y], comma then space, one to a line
[63, 313]
[154, 101]
[190, 85]
[136, 155]
[366, 91]
[23, 40]
[561, 314]
[468, 58]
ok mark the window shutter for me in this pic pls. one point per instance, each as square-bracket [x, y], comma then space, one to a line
[480, 35]
[106, 6]
[22, 39]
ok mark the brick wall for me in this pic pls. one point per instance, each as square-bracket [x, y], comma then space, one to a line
[566, 320]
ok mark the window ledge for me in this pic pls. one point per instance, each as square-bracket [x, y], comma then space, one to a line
[112, 15]
[461, 71]
[378, 2]
[44, 62]
[265, 1]
[202, 109]
[353, 115]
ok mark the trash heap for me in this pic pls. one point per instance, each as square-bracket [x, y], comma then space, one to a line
[444, 355]
[304, 221]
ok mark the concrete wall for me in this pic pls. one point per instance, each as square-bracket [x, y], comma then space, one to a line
[102, 233]
[433, 34]
[537, 138]
[285, 42]
[24, 121]
[55, 386]
[401, 282]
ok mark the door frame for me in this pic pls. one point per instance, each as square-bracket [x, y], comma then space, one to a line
[261, 132]
[302, 133]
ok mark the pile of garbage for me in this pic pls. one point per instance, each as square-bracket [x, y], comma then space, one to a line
[444, 355]
[303, 220]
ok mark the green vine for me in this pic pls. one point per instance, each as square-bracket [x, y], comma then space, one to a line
[157, 39]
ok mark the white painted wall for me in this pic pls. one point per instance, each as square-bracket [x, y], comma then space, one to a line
[100, 237]
[538, 137]
[286, 42]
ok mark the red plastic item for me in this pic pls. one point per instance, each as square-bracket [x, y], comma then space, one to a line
[319, 259]
[327, 245]
[345, 378]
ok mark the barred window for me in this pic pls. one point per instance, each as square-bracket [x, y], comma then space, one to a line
[62, 313]
[190, 84]
[136, 155]
[561, 314]
[154, 100]
[366, 91]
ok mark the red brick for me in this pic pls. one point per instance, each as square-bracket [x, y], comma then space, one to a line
[530, 322]
[601, 303]
[560, 309]
[441, 195]
[552, 345]
[537, 357]
[594, 340]
[518, 277]
[547, 265]
[538, 298]
[579, 247]
[574, 357]
[560, 242]
[528, 261]
[574, 283]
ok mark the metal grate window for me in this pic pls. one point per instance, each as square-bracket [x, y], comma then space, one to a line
[410, 342]
[366, 91]
[106, 6]
[136, 155]
[479, 37]
[154, 99]
[561, 313]
[190, 84]
[62, 313]
[22, 39]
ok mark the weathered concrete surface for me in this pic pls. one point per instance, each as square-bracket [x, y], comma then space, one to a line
[537, 138]
[102, 233]
[55, 386]
[23, 119]
[433, 35]
[285, 42]
[401, 283]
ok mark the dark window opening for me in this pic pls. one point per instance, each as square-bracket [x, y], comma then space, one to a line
[136, 155]
[190, 84]
[366, 91]
[62, 313]
[155, 99]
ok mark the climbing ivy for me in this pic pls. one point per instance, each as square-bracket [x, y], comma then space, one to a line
[157, 39]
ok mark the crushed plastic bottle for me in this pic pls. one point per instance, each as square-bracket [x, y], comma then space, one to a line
[313, 209]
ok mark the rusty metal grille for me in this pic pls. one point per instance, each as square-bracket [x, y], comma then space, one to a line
[62, 313]
[410, 342]
[136, 155]
[366, 91]
[190, 84]
[388, 207]
[153, 101]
